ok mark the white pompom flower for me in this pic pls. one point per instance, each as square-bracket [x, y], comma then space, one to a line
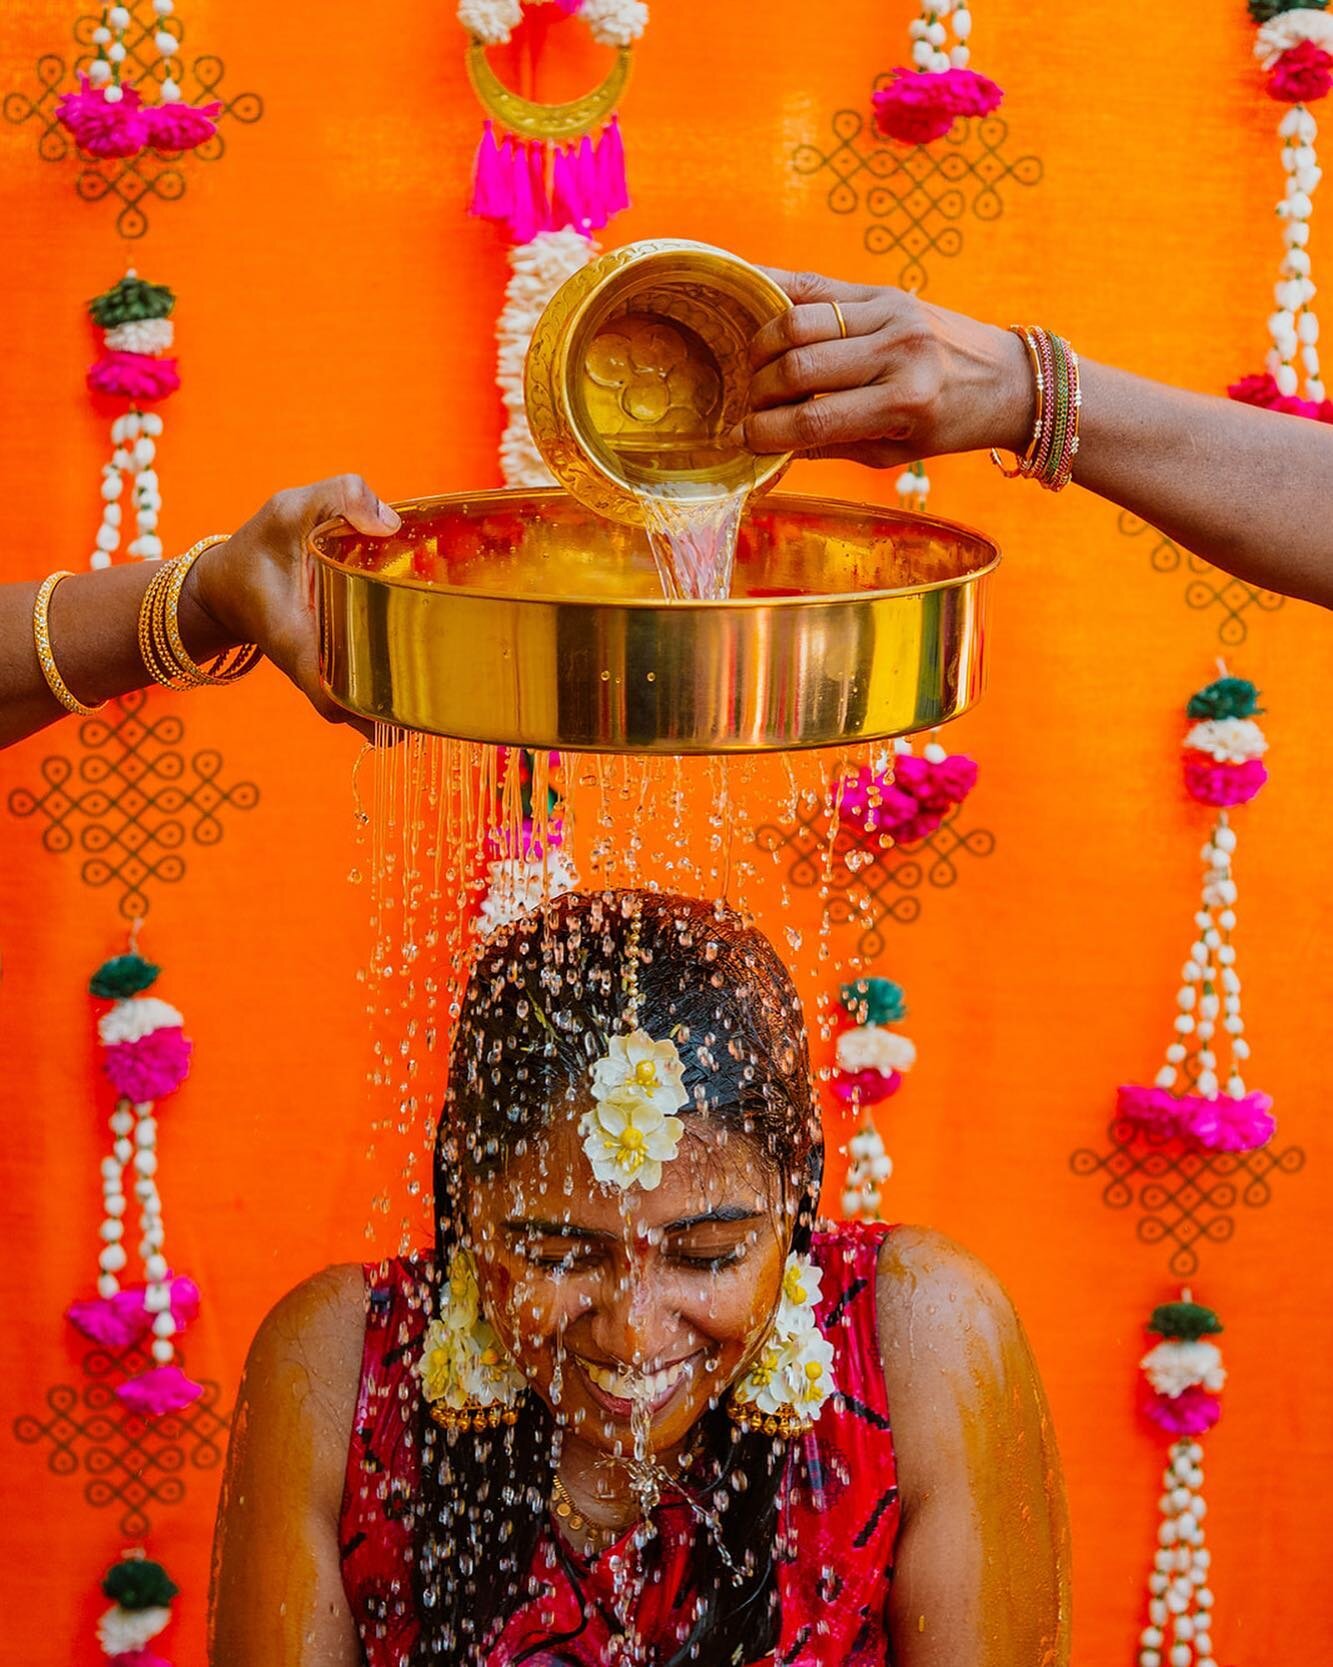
[871, 1048]
[141, 335]
[1289, 29]
[133, 1019]
[122, 1631]
[1176, 1365]
[615, 22]
[1228, 740]
[490, 21]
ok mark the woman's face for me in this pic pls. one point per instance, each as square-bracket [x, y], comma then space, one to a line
[607, 1299]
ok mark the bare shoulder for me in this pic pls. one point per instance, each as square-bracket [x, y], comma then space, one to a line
[945, 1322]
[304, 1367]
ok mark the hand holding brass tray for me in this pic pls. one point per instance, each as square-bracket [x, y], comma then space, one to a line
[521, 617]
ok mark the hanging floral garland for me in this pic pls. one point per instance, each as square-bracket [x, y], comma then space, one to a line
[141, 1594]
[109, 117]
[871, 1062]
[146, 1058]
[530, 866]
[135, 319]
[1193, 1096]
[908, 800]
[921, 104]
[1294, 45]
[1184, 1377]
[540, 176]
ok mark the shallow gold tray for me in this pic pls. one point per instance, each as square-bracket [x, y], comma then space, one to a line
[519, 617]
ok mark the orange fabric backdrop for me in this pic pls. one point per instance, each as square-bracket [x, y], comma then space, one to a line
[335, 311]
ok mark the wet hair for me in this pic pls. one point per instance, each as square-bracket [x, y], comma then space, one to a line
[540, 1005]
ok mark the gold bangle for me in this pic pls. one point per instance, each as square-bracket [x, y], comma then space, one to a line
[41, 636]
[160, 642]
[1023, 465]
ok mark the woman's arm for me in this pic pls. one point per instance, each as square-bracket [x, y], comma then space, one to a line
[1248, 490]
[982, 1569]
[250, 589]
[277, 1593]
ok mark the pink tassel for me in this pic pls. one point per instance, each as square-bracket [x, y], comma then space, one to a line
[566, 207]
[541, 202]
[523, 223]
[588, 186]
[488, 193]
[611, 168]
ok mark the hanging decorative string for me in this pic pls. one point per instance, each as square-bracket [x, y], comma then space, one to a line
[141, 1594]
[903, 798]
[147, 1057]
[1194, 1096]
[135, 319]
[871, 1062]
[1294, 46]
[109, 116]
[1184, 1378]
[542, 177]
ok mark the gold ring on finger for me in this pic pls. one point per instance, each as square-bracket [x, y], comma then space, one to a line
[842, 322]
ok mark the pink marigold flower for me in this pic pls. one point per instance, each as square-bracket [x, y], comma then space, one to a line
[134, 376]
[914, 802]
[175, 126]
[1154, 1109]
[1191, 1412]
[865, 1088]
[102, 128]
[1227, 1125]
[150, 1068]
[1263, 392]
[1217, 784]
[1301, 75]
[920, 105]
[116, 1322]
[137, 1658]
[164, 1389]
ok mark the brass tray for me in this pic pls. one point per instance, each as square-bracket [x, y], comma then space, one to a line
[519, 617]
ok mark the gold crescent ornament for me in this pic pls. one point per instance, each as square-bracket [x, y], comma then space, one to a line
[531, 120]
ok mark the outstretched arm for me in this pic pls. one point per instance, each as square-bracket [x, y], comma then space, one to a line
[250, 589]
[982, 1568]
[1248, 490]
[277, 1596]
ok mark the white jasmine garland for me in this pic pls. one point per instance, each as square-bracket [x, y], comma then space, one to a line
[490, 21]
[539, 269]
[615, 22]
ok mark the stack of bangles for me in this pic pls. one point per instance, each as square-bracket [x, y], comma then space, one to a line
[1053, 447]
[164, 653]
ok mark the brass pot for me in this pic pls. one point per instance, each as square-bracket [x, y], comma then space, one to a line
[638, 369]
[519, 617]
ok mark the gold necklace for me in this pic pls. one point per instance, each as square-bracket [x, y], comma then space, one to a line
[568, 1512]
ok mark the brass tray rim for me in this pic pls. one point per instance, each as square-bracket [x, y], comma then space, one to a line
[662, 604]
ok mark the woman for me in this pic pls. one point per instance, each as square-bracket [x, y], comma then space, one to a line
[646, 1410]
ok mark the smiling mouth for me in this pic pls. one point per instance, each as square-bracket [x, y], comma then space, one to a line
[620, 1389]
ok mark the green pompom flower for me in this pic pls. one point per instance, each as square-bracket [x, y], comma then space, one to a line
[874, 1001]
[1184, 1320]
[138, 1583]
[129, 300]
[1262, 10]
[1228, 697]
[123, 975]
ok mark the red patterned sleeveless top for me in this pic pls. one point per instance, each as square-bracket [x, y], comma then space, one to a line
[838, 1506]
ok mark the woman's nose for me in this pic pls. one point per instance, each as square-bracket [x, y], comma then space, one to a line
[634, 1323]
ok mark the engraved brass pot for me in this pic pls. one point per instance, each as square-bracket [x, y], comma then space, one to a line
[518, 617]
[638, 369]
